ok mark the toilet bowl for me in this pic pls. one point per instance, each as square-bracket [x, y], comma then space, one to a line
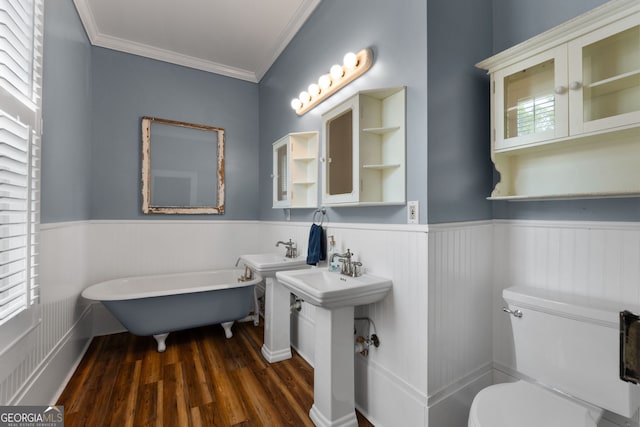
[524, 404]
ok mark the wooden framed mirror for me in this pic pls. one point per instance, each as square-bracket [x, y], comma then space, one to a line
[183, 169]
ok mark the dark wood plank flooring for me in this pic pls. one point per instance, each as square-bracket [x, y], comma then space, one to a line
[202, 379]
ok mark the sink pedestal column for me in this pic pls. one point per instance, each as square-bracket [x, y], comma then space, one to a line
[333, 388]
[277, 321]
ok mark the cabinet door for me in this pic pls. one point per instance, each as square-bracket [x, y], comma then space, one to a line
[340, 154]
[280, 176]
[604, 69]
[531, 101]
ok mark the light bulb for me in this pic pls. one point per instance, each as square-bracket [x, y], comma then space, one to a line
[304, 96]
[324, 81]
[336, 71]
[314, 89]
[296, 103]
[350, 60]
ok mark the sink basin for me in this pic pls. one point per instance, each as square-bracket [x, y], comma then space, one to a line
[271, 262]
[326, 289]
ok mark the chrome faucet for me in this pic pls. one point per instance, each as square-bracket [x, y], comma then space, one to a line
[349, 268]
[292, 250]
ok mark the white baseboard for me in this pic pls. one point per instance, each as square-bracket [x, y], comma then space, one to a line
[45, 384]
[385, 399]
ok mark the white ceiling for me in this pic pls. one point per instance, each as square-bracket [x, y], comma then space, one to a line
[236, 38]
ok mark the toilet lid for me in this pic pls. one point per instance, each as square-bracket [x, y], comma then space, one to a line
[524, 404]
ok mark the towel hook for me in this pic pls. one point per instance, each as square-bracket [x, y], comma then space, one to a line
[322, 212]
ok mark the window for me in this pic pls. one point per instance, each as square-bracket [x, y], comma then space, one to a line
[536, 115]
[21, 36]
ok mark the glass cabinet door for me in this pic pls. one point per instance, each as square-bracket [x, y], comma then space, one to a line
[281, 173]
[340, 126]
[531, 100]
[605, 67]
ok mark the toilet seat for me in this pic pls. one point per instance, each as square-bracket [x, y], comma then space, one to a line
[524, 404]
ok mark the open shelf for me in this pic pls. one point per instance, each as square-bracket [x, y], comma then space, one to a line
[393, 166]
[381, 130]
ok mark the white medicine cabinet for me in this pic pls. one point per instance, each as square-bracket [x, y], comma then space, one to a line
[363, 141]
[295, 171]
[565, 109]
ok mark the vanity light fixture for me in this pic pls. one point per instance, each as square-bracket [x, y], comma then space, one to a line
[354, 65]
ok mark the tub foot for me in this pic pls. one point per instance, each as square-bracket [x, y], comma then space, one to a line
[160, 339]
[227, 329]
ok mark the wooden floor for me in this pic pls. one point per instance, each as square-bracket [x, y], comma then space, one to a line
[202, 379]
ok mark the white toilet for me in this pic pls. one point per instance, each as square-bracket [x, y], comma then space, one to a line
[567, 347]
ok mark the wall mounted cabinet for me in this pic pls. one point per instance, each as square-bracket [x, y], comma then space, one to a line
[566, 109]
[295, 171]
[363, 144]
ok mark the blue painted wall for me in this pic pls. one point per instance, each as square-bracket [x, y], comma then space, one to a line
[67, 98]
[515, 21]
[94, 98]
[128, 87]
[396, 31]
[460, 168]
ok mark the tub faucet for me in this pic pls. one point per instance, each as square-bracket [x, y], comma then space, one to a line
[292, 250]
[349, 268]
[247, 275]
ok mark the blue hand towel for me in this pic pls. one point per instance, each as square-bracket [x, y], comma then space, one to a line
[316, 251]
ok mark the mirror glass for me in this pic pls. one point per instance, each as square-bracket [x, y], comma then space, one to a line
[182, 167]
[282, 174]
[340, 152]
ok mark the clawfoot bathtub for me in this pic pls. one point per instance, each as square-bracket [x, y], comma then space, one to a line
[159, 304]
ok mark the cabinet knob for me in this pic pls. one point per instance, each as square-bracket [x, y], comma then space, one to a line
[560, 89]
[575, 85]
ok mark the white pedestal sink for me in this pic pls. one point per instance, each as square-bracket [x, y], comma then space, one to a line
[277, 334]
[335, 296]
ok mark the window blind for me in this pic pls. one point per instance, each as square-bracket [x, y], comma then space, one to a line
[536, 115]
[21, 34]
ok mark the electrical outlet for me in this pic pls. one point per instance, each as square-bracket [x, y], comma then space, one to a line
[413, 213]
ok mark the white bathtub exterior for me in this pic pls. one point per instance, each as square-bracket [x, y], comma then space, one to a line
[441, 332]
[158, 285]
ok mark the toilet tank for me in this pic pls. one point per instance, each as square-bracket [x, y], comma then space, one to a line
[572, 344]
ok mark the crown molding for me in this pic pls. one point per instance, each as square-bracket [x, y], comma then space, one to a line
[297, 21]
[104, 40]
[152, 52]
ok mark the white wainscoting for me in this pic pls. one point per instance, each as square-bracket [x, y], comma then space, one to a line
[49, 353]
[435, 327]
[136, 248]
[460, 301]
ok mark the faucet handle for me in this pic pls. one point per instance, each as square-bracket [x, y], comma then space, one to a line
[355, 268]
[292, 249]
